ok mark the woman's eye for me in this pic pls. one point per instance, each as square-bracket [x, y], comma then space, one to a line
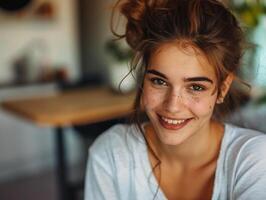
[158, 81]
[197, 88]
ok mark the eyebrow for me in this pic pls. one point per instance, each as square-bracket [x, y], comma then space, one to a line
[200, 78]
[155, 72]
[191, 79]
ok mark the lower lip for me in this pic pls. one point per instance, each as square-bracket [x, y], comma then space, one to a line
[173, 126]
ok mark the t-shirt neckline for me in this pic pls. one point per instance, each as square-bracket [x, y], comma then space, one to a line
[154, 183]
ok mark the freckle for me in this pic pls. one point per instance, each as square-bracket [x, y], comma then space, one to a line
[196, 99]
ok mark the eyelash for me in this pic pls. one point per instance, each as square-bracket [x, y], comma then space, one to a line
[158, 82]
[196, 88]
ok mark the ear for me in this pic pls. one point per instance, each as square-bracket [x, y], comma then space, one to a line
[225, 88]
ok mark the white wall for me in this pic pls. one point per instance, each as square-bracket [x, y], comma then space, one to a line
[59, 36]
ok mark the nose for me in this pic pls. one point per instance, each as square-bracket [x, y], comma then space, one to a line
[173, 101]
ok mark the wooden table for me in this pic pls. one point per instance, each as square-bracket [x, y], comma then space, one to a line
[76, 107]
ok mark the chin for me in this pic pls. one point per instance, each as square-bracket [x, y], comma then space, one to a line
[172, 138]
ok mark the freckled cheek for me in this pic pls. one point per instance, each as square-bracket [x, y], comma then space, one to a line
[201, 107]
[151, 99]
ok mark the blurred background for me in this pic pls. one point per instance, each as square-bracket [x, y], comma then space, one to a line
[48, 46]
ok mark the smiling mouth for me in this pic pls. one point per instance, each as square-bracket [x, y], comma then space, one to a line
[173, 124]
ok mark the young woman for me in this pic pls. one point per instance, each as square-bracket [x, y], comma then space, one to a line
[187, 53]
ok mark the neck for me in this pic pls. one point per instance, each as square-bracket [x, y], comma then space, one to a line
[197, 151]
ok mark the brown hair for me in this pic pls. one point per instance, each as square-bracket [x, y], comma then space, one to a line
[207, 25]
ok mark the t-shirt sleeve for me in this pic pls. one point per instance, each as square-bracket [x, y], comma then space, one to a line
[99, 184]
[250, 177]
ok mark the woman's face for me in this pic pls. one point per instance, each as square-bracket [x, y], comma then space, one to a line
[179, 93]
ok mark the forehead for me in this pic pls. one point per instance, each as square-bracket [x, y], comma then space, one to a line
[174, 59]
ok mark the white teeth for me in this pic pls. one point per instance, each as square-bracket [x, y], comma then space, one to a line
[173, 121]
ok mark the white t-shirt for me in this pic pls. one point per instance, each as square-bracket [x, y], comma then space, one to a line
[119, 168]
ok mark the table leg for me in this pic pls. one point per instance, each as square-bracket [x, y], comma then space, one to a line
[61, 166]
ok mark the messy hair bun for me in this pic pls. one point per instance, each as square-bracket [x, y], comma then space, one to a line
[138, 14]
[134, 12]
